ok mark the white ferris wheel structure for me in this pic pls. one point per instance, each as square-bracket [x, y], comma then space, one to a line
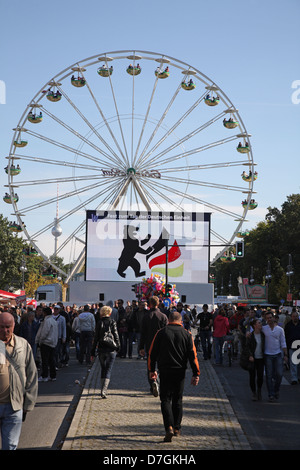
[128, 130]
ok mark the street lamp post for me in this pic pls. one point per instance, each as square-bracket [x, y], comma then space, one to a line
[251, 280]
[289, 272]
[23, 269]
[229, 284]
[268, 277]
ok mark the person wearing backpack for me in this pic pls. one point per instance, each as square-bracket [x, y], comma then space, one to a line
[107, 343]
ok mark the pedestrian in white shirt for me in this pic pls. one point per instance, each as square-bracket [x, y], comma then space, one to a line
[62, 334]
[275, 344]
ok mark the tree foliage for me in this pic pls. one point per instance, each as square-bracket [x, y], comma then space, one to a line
[11, 247]
[274, 239]
[13, 253]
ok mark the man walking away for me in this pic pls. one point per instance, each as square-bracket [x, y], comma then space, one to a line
[47, 338]
[172, 349]
[87, 325]
[153, 321]
[205, 330]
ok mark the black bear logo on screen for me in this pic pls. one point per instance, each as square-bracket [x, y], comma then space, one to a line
[131, 246]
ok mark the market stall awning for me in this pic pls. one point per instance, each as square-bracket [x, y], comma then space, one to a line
[7, 295]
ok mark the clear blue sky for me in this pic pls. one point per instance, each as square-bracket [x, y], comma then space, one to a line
[250, 49]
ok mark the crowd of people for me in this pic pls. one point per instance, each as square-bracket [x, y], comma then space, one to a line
[264, 341]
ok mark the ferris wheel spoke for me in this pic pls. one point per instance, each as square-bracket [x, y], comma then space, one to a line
[120, 193]
[219, 237]
[75, 192]
[150, 197]
[145, 121]
[207, 166]
[72, 211]
[138, 200]
[157, 189]
[70, 237]
[140, 160]
[66, 147]
[203, 183]
[105, 121]
[49, 161]
[191, 152]
[111, 197]
[197, 200]
[77, 134]
[69, 179]
[185, 138]
[88, 123]
[118, 117]
[177, 123]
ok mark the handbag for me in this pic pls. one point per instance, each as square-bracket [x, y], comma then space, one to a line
[108, 340]
[245, 363]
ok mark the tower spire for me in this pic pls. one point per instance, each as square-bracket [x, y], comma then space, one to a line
[56, 230]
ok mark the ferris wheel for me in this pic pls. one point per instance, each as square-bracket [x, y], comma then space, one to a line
[124, 130]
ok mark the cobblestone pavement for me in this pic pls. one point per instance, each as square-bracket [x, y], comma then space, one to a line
[130, 418]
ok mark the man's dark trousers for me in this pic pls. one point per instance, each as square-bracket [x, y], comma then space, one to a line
[171, 392]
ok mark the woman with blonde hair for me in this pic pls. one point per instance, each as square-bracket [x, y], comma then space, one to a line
[107, 343]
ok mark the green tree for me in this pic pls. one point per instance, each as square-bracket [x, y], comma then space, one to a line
[11, 247]
[273, 240]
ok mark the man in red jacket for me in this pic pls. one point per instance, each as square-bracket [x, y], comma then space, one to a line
[172, 348]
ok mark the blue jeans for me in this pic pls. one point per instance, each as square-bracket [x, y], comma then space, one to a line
[274, 372]
[107, 361]
[77, 344]
[48, 361]
[205, 336]
[125, 340]
[218, 341]
[86, 341]
[10, 426]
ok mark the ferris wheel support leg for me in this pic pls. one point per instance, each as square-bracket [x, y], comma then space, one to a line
[77, 266]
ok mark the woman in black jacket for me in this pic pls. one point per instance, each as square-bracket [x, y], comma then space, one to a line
[254, 351]
[107, 343]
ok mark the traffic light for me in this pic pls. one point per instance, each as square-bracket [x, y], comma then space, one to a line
[168, 290]
[134, 288]
[239, 249]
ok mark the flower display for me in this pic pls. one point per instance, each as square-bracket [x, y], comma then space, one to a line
[156, 285]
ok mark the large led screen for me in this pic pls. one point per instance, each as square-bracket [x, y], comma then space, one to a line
[128, 246]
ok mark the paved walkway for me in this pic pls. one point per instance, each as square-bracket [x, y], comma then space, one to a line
[130, 418]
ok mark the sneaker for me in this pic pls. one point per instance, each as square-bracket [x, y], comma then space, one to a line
[155, 389]
[43, 379]
[52, 379]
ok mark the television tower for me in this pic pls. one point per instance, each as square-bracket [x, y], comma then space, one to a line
[56, 230]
